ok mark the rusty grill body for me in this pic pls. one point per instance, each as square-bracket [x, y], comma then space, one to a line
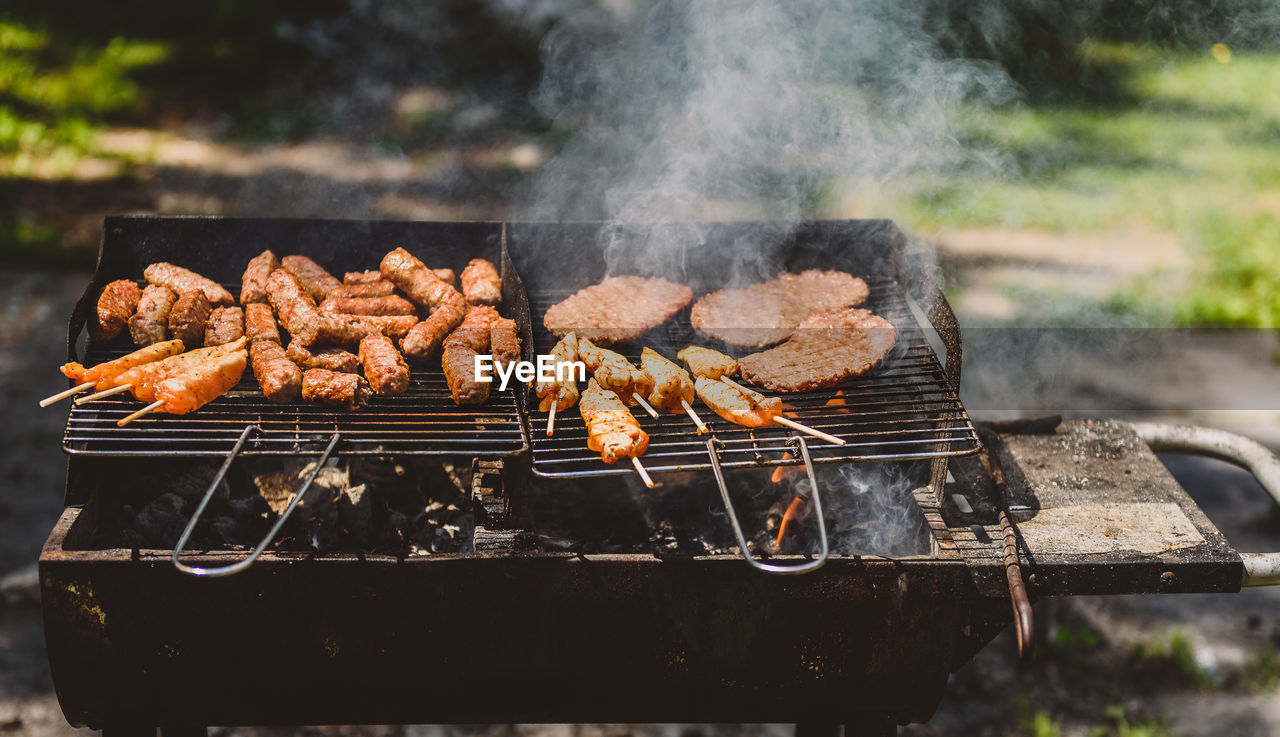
[510, 632]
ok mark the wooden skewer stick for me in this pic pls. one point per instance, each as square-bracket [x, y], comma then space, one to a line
[702, 426]
[551, 420]
[105, 393]
[644, 475]
[144, 411]
[647, 407]
[64, 394]
[806, 429]
[734, 384]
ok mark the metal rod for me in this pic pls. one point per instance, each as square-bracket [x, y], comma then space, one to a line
[284, 516]
[806, 567]
[1023, 616]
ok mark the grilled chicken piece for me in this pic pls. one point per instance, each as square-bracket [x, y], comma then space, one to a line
[253, 285]
[181, 280]
[504, 341]
[107, 372]
[384, 367]
[611, 429]
[614, 372]
[279, 378]
[735, 406]
[381, 288]
[190, 316]
[189, 391]
[225, 325]
[459, 356]
[448, 307]
[333, 388]
[145, 379]
[562, 394]
[671, 384]
[388, 305]
[311, 275]
[151, 322]
[260, 323]
[706, 362]
[116, 304]
[333, 359]
[481, 284]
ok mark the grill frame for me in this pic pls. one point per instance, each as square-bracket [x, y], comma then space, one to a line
[219, 248]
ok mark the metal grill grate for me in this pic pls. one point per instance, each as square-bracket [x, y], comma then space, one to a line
[904, 410]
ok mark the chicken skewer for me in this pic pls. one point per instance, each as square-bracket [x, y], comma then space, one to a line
[712, 364]
[612, 431]
[614, 372]
[103, 373]
[189, 391]
[749, 408]
[141, 380]
[672, 386]
[555, 395]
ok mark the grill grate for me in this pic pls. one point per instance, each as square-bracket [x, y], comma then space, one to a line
[904, 410]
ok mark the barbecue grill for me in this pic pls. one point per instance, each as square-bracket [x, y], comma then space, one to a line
[513, 629]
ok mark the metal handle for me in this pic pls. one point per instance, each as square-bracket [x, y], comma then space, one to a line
[284, 516]
[812, 565]
[1260, 569]
[1023, 615]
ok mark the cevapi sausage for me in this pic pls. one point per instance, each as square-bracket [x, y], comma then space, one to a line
[253, 285]
[280, 378]
[333, 388]
[182, 280]
[225, 325]
[448, 306]
[311, 275]
[260, 323]
[389, 305]
[151, 322]
[116, 304]
[384, 367]
[333, 359]
[480, 283]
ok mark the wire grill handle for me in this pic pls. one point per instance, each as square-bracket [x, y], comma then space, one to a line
[806, 567]
[241, 565]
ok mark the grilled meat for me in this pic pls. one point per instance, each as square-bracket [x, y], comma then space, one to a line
[562, 394]
[735, 406]
[279, 378]
[504, 341]
[614, 372]
[362, 277]
[481, 284]
[381, 288]
[150, 324]
[322, 386]
[253, 285]
[389, 305]
[447, 276]
[116, 304]
[395, 327]
[107, 372]
[145, 378]
[424, 287]
[828, 348]
[190, 316]
[333, 359]
[182, 280]
[204, 383]
[311, 276]
[767, 313]
[225, 325]
[618, 309]
[611, 429]
[458, 358]
[384, 367]
[299, 316]
[671, 384]
[260, 323]
[706, 362]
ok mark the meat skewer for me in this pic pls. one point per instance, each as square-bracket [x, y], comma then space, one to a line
[181, 280]
[311, 275]
[672, 386]
[253, 285]
[116, 304]
[142, 379]
[481, 284]
[750, 409]
[448, 307]
[458, 358]
[712, 364]
[554, 394]
[189, 391]
[615, 373]
[86, 379]
[150, 324]
[612, 431]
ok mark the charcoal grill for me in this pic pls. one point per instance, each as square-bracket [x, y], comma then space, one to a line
[514, 631]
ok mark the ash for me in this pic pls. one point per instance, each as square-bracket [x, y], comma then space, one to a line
[354, 506]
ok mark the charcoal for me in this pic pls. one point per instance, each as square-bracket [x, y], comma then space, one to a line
[161, 522]
[355, 512]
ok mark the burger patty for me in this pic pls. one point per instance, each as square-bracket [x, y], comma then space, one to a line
[828, 348]
[767, 313]
[618, 309]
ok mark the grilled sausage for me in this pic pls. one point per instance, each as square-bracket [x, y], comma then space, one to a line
[253, 286]
[369, 289]
[480, 283]
[388, 305]
[384, 367]
[116, 304]
[259, 323]
[189, 316]
[151, 323]
[504, 342]
[182, 280]
[280, 378]
[333, 388]
[362, 277]
[311, 276]
[459, 356]
[299, 316]
[333, 359]
[225, 325]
